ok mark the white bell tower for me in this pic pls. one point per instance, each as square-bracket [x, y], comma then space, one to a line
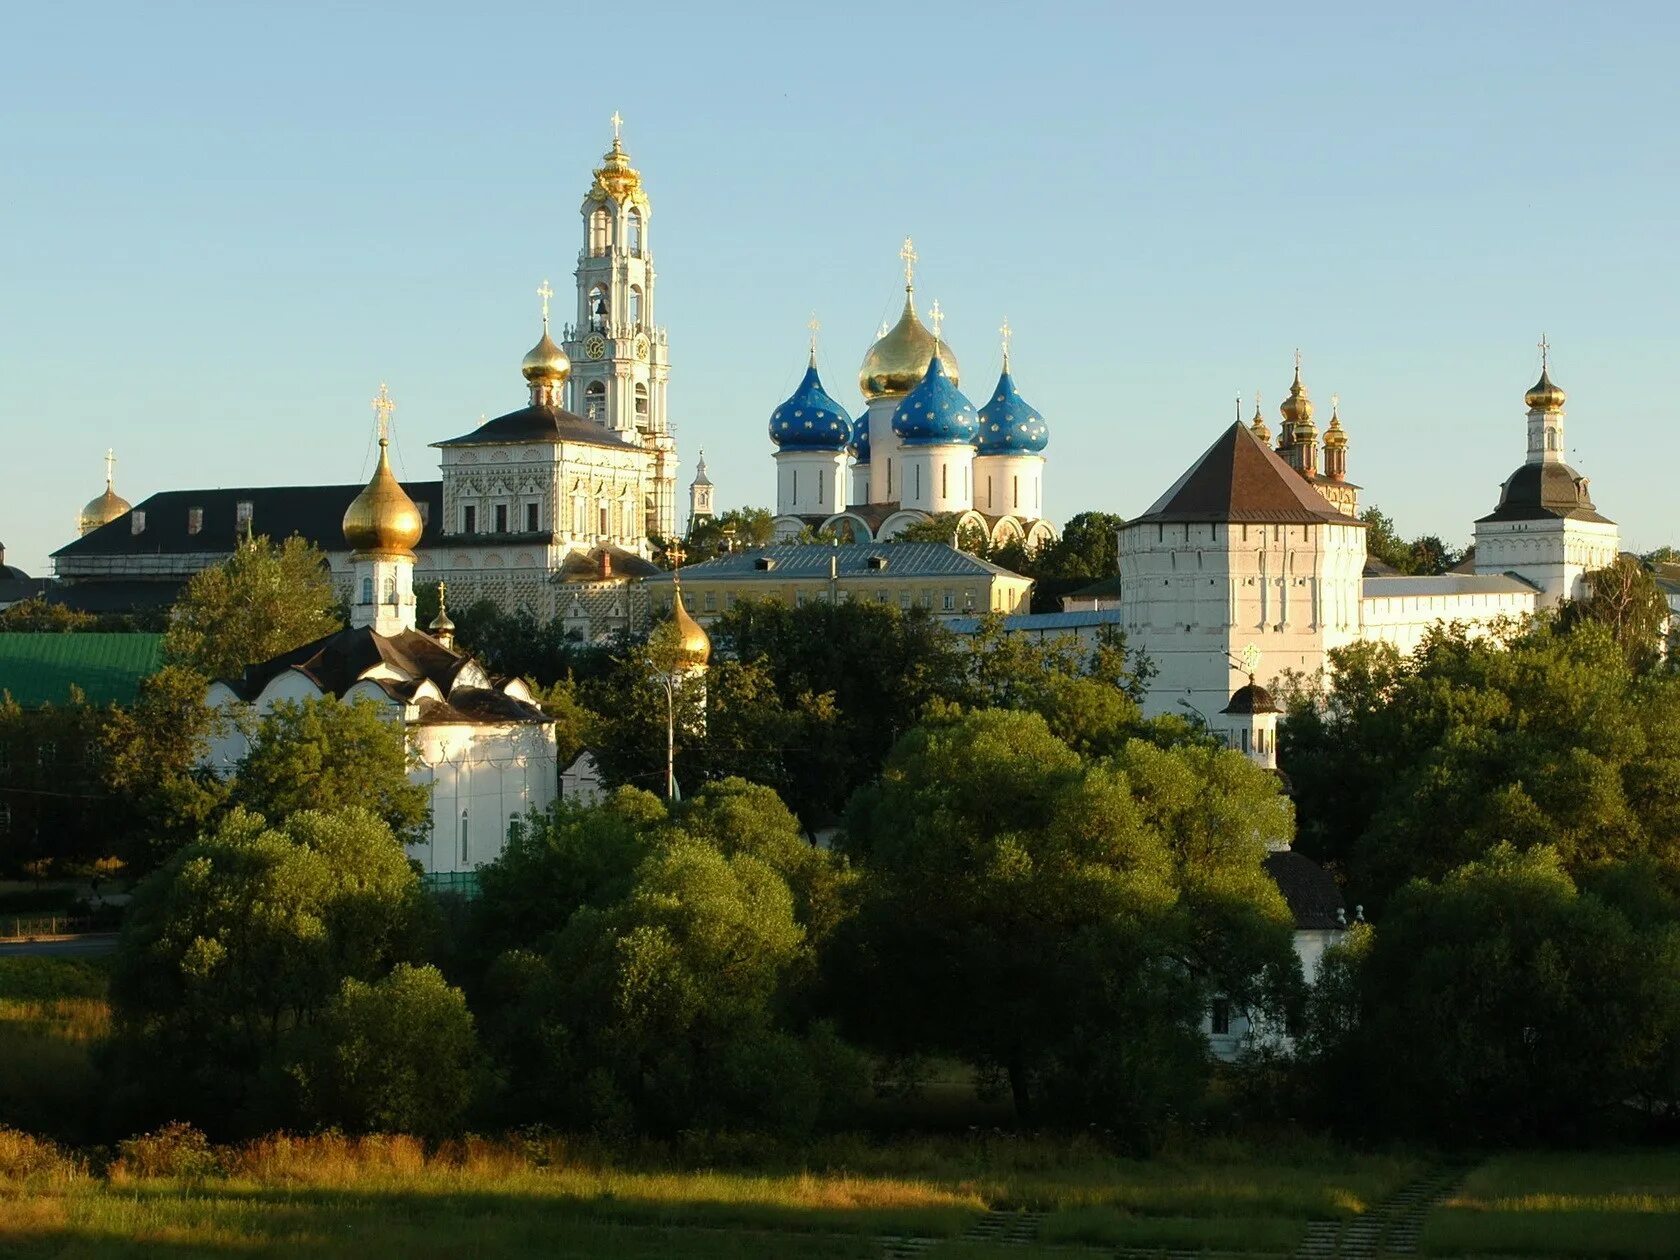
[619, 356]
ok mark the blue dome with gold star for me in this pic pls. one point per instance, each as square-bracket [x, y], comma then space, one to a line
[811, 420]
[1008, 425]
[860, 439]
[935, 413]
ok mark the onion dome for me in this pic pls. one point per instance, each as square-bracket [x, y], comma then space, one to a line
[616, 180]
[1297, 408]
[382, 520]
[935, 412]
[860, 439]
[1257, 426]
[897, 362]
[1008, 424]
[810, 420]
[1545, 396]
[103, 510]
[546, 362]
[443, 625]
[1335, 435]
[695, 643]
[1251, 699]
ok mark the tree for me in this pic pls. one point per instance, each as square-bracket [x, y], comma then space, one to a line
[395, 1055]
[946, 527]
[55, 812]
[36, 616]
[1087, 551]
[262, 601]
[239, 941]
[155, 759]
[517, 643]
[739, 529]
[1501, 1003]
[326, 755]
[1426, 554]
[1625, 599]
[1043, 916]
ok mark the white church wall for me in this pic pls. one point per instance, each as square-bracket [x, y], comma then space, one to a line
[1401, 610]
[480, 778]
[1554, 553]
[1009, 485]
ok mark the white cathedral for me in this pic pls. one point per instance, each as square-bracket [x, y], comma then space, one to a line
[920, 449]
[1253, 565]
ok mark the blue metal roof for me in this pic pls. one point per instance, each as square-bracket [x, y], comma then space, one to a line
[810, 420]
[936, 412]
[1008, 424]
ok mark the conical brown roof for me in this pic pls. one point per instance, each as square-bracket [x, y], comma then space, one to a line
[1239, 478]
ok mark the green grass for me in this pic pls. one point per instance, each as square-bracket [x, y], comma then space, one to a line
[1539, 1204]
[52, 1012]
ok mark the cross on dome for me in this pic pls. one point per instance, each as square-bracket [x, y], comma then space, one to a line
[815, 325]
[110, 467]
[908, 254]
[544, 292]
[383, 407]
[1545, 350]
[936, 317]
[617, 122]
[1006, 332]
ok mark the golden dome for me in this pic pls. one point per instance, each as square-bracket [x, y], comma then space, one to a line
[897, 362]
[546, 361]
[1257, 426]
[1335, 435]
[616, 180]
[103, 510]
[382, 519]
[1545, 396]
[1297, 408]
[696, 643]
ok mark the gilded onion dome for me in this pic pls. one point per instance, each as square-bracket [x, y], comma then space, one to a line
[1545, 396]
[546, 361]
[382, 520]
[1257, 426]
[103, 510]
[1297, 409]
[1335, 435]
[935, 412]
[1008, 425]
[616, 180]
[860, 439]
[695, 643]
[810, 420]
[896, 363]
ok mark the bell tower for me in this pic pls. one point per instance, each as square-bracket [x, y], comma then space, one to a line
[619, 355]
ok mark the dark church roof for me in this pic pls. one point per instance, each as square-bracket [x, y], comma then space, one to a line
[1239, 478]
[314, 513]
[1543, 491]
[541, 424]
[1250, 699]
[1311, 892]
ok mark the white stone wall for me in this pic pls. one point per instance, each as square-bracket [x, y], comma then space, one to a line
[1009, 485]
[937, 478]
[886, 466]
[1403, 620]
[481, 778]
[1554, 553]
[810, 483]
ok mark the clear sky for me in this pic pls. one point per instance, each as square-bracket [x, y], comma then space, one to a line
[222, 225]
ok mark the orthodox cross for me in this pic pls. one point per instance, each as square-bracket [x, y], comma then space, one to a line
[677, 556]
[908, 254]
[1297, 362]
[1335, 403]
[443, 592]
[937, 317]
[1257, 403]
[1239, 408]
[1250, 660]
[1006, 332]
[110, 467]
[544, 292]
[815, 325]
[383, 407]
[617, 122]
[1545, 350]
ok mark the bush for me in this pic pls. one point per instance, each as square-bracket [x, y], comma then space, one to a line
[23, 1156]
[176, 1150]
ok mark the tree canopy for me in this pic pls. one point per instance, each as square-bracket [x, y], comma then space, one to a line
[263, 600]
[1425, 554]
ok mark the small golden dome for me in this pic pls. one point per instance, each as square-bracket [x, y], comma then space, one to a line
[103, 510]
[1257, 426]
[546, 361]
[1545, 396]
[1335, 435]
[382, 519]
[1297, 408]
[896, 363]
[696, 643]
[617, 180]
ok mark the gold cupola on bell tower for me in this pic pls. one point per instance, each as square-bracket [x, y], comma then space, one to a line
[382, 526]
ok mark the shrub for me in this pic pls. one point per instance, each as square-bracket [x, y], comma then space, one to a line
[23, 1157]
[176, 1150]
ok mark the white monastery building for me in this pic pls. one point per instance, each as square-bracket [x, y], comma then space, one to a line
[481, 746]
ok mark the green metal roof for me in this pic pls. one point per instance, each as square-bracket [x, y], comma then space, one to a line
[37, 669]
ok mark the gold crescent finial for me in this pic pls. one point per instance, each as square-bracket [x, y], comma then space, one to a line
[383, 407]
[544, 292]
[908, 254]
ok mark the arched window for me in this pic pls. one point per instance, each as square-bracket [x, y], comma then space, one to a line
[598, 309]
[595, 400]
[600, 232]
[635, 222]
[390, 590]
[367, 590]
[636, 305]
[641, 405]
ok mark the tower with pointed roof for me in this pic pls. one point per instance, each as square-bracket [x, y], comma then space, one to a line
[811, 432]
[381, 527]
[1546, 529]
[619, 354]
[700, 504]
[1009, 450]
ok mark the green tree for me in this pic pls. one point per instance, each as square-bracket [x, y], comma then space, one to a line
[395, 1055]
[1502, 1004]
[946, 527]
[1048, 917]
[1087, 551]
[155, 758]
[263, 600]
[1625, 599]
[327, 755]
[1426, 554]
[739, 529]
[237, 942]
[56, 816]
[36, 616]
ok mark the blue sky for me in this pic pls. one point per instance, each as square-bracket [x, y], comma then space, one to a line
[223, 225]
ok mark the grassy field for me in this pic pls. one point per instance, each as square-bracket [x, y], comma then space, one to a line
[52, 1011]
[1537, 1204]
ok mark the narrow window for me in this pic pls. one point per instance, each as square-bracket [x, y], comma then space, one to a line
[988, 491]
[367, 590]
[469, 519]
[501, 518]
[918, 492]
[945, 481]
[531, 516]
[603, 520]
[1015, 491]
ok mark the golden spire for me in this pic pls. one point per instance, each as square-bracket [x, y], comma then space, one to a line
[443, 627]
[1005, 332]
[108, 506]
[382, 519]
[899, 359]
[1335, 435]
[1257, 426]
[616, 180]
[1297, 409]
[1544, 396]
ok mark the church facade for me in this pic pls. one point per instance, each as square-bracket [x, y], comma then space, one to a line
[553, 507]
[919, 449]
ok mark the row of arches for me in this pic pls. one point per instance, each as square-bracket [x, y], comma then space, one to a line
[601, 232]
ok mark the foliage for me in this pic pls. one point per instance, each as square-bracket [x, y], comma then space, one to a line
[176, 1151]
[945, 527]
[240, 940]
[739, 529]
[576, 725]
[155, 756]
[1426, 554]
[517, 644]
[1088, 550]
[1414, 766]
[327, 755]
[55, 814]
[1501, 1003]
[1625, 599]
[1061, 921]
[36, 616]
[397, 1055]
[263, 600]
